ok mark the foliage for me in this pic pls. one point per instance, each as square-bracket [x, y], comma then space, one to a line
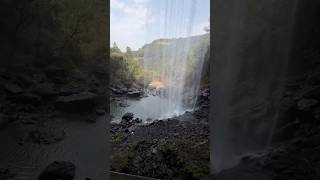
[131, 65]
[67, 33]
[125, 66]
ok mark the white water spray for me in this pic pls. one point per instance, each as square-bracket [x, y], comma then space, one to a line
[171, 62]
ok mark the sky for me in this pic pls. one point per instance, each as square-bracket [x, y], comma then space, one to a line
[134, 23]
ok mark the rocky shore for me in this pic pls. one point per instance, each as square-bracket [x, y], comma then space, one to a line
[43, 113]
[30, 94]
[175, 148]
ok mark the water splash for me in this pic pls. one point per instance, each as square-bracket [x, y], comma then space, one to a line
[171, 62]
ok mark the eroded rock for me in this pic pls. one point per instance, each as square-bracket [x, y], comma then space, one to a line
[100, 112]
[13, 88]
[44, 90]
[6, 174]
[128, 116]
[135, 94]
[47, 136]
[3, 120]
[61, 170]
[77, 103]
[305, 104]
[27, 98]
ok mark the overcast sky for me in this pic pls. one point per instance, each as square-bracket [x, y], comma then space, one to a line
[134, 23]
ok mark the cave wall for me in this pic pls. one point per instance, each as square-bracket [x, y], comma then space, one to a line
[306, 39]
[252, 43]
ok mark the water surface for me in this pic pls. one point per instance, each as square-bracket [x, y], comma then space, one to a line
[146, 108]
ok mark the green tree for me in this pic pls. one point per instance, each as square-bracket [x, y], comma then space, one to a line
[115, 47]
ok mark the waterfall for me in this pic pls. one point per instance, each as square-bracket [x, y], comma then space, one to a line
[252, 47]
[171, 63]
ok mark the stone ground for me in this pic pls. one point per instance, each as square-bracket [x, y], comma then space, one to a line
[176, 148]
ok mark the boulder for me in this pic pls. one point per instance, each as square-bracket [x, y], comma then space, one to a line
[127, 119]
[3, 120]
[4, 73]
[92, 120]
[47, 136]
[77, 103]
[100, 112]
[149, 119]
[13, 88]
[56, 74]
[135, 94]
[154, 150]
[128, 116]
[6, 174]
[124, 104]
[316, 113]
[307, 92]
[61, 170]
[67, 90]
[44, 90]
[115, 91]
[27, 98]
[32, 118]
[24, 80]
[205, 93]
[137, 121]
[123, 90]
[305, 104]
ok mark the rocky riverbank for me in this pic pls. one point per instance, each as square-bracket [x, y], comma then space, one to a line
[51, 114]
[175, 148]
[31, 95]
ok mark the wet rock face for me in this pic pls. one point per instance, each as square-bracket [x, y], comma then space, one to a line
[123, 104]
[27, 98]
[56, 74]
[306, 104]
[131, 91]
[244, 173]
[77, 103]
[3, 120]
[61, 170]
[44, 90]
[296, 142]
[128, 120]
[135, 94]
[6, 174]
[203, 98]
[127, 116]
[47, 136]
[13, 88]
[100, 112]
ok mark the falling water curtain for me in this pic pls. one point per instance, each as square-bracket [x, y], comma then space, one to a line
[251, 46]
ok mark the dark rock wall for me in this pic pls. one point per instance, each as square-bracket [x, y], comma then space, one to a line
[306, 44]
[251, 44]
[53, 60]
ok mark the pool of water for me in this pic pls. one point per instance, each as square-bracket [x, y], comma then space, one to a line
[84, 145]
[148, 108]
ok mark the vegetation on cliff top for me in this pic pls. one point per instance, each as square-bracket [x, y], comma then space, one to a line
[129, 66]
